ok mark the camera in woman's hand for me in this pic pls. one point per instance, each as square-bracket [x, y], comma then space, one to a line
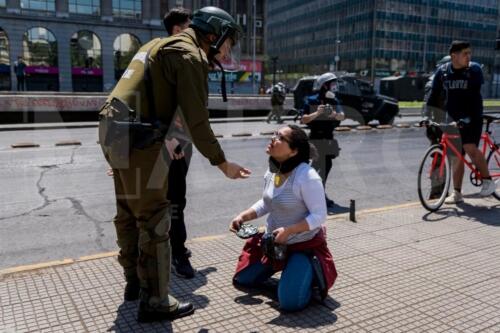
[271, 249]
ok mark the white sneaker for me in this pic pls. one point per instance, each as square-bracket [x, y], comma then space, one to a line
[454, 198]
[489, 187]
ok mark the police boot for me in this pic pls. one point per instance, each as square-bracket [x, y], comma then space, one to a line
[149, 313]
[182, 266]
[132, 289]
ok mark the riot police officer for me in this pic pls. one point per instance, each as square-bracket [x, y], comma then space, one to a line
[322, 113]
[166, 76]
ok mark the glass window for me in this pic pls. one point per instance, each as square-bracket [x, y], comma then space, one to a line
[40, 47]
[2, 3]
[40, 56]
[43, 5]
[86, 7]
[127, 8]
[85, 50]
[86, 62]
[125, 47]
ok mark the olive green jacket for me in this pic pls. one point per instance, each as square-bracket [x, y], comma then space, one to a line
[179, 73]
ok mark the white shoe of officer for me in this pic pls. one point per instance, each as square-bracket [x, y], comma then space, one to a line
[454, 198]
[489, 187]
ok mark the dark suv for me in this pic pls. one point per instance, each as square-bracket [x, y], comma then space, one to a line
[359, 100]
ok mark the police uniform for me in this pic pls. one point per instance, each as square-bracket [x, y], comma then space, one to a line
[321, 134]
[179, 71]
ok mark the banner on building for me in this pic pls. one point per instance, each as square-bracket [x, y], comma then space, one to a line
[244, 74]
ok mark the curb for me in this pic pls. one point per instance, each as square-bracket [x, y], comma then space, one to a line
[237, 135]
[25, 145]
[68, 261]
[352, 128]
[68, 143]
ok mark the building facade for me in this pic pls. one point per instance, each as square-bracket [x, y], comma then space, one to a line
[377, 38]
[85, 45]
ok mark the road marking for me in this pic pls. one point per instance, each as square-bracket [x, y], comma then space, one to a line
[26, 268]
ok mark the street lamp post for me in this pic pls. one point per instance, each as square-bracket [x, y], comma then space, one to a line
[254, 33]
[337, 46]
[274, 60]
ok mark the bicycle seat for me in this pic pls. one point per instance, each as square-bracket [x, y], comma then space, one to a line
[490, 119]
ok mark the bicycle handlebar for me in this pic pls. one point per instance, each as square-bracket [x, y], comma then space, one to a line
[461, 123]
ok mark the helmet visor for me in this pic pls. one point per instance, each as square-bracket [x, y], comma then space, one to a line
[229, 55]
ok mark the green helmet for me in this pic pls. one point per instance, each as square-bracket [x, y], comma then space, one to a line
[213, 20]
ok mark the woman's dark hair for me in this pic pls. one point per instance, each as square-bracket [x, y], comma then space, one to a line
[298, 140]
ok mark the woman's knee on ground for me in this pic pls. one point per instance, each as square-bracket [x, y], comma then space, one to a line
[295, 286]
[253, 275]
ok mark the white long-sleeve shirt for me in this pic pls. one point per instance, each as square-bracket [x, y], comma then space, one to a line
[302, 196]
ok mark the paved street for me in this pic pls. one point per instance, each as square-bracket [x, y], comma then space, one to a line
[61, 197]
[400, 270]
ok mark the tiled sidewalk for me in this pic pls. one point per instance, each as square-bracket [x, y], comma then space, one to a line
[400, 270]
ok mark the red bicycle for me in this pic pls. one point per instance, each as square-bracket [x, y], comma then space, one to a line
[434, 174]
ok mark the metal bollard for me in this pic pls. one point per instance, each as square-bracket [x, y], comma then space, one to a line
[352, 211]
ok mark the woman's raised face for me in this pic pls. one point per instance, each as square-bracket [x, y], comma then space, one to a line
[279, 147]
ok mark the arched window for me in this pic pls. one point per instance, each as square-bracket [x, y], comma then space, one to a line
[4, 61]
[86, 61]
[40, 55]
[125, 47]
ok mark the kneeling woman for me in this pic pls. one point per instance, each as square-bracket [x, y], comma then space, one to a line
[294, 199]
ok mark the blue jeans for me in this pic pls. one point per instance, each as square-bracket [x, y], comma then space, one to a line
[295, 285]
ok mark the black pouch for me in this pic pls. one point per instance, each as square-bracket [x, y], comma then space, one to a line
[319, 277]
[128, 130]
[271, 249]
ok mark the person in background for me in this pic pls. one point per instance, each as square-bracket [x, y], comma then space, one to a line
[460, 80]
[180, 150]
[323, 113]
[20, 70]
[278, 96]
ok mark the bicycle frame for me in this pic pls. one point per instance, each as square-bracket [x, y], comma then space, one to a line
[446, 143]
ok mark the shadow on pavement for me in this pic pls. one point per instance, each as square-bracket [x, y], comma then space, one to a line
[317, 314]
[180, 288]
[126, 321]
[337, 209]
[484, 214]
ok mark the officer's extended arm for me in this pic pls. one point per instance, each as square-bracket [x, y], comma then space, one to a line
[192, 98]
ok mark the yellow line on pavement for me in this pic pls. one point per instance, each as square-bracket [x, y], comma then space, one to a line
[375, 210]
[97, 256]
[25, 268]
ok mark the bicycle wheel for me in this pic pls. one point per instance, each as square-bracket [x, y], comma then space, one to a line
[493, 161]
[433, 184]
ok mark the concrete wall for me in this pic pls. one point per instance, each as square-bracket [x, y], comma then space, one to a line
[48, 102]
